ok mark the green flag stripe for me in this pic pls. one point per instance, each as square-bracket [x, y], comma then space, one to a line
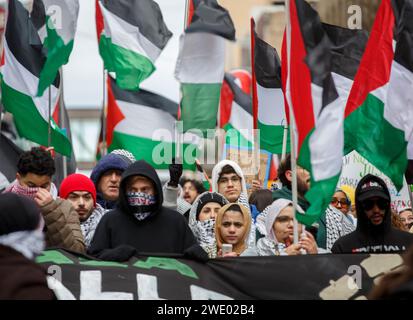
[131, 68]
[371, 135]
[29, 122]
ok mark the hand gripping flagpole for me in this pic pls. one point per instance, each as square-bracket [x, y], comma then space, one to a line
[292, 123]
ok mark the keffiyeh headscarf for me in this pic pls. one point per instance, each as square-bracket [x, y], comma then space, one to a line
[337, 225]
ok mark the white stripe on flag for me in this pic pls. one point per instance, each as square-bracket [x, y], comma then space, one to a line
[201, 58]
[270, 106]
[128, 36]
[16, 76]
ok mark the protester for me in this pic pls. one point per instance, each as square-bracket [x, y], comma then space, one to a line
[303, 185]
[374, 233]
[140, 223]
[397, 222]
[232, 226]
[81, 192]
[229, 181]
[181, 192]
[280, 232]
[106, 176]
[334, 223]
[406, 217]
[21, 240]
[350, 195]
[202, 219]
[34, 180]
[285, 175]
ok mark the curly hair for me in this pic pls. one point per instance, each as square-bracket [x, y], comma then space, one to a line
[36, 161]
[196, 183]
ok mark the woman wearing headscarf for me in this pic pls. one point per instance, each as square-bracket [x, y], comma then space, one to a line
[232, 226]
[280, 232]
[202, 219]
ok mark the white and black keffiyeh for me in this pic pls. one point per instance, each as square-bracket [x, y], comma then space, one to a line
[268, 247]
[89, 226]
[337, 225]
[28, 243]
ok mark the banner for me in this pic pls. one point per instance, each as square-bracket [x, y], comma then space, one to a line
[355, 167]
[324, 276]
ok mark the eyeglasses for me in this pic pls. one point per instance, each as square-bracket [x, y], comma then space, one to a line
[284, 219]
[233, 179]
[369, 204]
[342, 202]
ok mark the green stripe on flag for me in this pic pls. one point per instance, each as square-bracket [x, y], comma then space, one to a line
[271, 138]
[57, 55]
[199, 105]
[142, 148]
[131, 68]
[320, 193]
[30, 123]
[370, 134]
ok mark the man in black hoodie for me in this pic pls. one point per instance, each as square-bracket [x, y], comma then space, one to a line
[374, 233]
[140, 224]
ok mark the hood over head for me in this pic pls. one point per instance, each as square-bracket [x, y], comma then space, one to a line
[140, 168]
[368, 187]
[216, 171]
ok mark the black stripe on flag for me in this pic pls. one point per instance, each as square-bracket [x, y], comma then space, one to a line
[347, 50]
[403, 11]
[9, 155]
[38, 14]
[267, 64]
[145, 98]
[24, 41]
[144, 14]
[240, 97]
[210, 17]
[318, 48]
[19, 33]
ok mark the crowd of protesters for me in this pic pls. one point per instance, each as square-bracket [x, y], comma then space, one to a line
[123, 210]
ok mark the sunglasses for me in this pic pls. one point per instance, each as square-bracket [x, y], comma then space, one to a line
[382, 204]
[342, 202]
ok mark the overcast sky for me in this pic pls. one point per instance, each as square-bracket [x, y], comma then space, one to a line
[83, 74]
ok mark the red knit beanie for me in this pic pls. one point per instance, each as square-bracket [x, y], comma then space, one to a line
[77, 182]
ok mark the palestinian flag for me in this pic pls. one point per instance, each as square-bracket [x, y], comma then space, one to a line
[57, 34]
[268, 96]
[239, 127]
[142, 122]
[200, 64]
[314, 101]
[20, 71]
[379, 116]
[131, 34]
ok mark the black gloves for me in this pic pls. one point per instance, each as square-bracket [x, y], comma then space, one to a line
[175, 173]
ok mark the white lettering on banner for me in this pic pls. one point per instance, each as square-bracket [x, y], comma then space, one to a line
[91, 288]
[198, 293]
[60, 291]
[147, 287]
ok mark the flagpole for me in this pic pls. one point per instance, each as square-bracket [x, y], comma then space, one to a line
[49, 129]
[104, 111]
[292, 124]
[284, 148]
[62, 119]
